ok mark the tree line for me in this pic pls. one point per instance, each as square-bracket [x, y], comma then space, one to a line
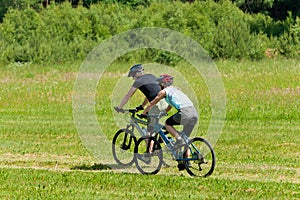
[276, 9]
[66, 32]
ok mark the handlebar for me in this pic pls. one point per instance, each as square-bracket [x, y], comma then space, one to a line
[160, 115]
[125, 110]
[134, 111]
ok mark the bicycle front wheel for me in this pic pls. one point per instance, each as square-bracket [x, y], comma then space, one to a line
[123, 147]
[201, 158]
[148, 155]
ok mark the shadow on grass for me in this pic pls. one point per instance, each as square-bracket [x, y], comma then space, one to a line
[99, 167]
[91, 167]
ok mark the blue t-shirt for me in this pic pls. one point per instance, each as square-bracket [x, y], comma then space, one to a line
[176, 98]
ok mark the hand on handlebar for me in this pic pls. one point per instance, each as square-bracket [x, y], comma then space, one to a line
[140, 107]
[142, 116]
[119, 110]
[163, 113]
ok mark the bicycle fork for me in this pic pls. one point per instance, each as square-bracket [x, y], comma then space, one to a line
[125, 146]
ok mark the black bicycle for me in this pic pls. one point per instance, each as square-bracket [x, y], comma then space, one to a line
[124, 140]
[196, 156]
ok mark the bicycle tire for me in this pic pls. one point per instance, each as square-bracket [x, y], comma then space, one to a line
[202, 158]
[123, 145]
[148, 163]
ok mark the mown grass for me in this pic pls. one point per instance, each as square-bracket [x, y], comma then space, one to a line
[41, 184]
[42, 157]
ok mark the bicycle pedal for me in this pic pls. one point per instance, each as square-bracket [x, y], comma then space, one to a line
[124, 147]
[155, 152]
[165, 164]
[144, 158]
[160, 140]
[181, 167]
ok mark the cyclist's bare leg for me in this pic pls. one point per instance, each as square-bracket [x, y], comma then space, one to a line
[150, 129]
[151, 144]
[187, 153]
[173, 131]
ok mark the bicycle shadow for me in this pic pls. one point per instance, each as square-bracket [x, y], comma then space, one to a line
[97, 167]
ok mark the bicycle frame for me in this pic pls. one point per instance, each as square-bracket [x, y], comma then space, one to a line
[135, 122]
[149, 155]
[177, 155]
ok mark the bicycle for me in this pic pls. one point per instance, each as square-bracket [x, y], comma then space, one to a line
[200, 161]
[124, 140]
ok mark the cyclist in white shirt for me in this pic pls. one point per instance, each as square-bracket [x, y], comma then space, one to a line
[186, 114]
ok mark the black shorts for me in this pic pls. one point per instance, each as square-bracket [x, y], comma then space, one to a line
[187, 117]
[174, 119]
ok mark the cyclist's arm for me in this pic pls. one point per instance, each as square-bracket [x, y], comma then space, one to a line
[160, 95]
[127, 97]
[168, 108]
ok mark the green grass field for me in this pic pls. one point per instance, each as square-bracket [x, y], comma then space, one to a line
[42, 156]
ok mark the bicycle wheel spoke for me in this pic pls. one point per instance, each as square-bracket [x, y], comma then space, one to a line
[201, 158]
[123, 147]
[148, 156]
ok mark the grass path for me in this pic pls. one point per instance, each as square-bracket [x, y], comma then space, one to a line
[249, 172]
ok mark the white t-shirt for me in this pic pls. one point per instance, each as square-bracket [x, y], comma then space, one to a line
[176, 98]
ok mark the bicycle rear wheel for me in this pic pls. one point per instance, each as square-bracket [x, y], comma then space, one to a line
[148, 155]
[123, 147]
[201, 159]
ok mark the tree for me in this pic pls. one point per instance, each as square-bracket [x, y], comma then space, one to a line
[281, 8]
[254, 6]
[277, 9]
[18, 4]
[46, 3]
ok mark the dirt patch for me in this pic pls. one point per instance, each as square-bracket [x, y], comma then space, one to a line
[284, 91]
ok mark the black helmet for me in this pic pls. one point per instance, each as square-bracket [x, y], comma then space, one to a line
[165, 80]
[138, 68]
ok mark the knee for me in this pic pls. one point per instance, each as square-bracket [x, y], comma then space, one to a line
[167, 125]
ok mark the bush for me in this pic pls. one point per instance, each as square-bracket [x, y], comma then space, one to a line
[61, 33]
[289, 42]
